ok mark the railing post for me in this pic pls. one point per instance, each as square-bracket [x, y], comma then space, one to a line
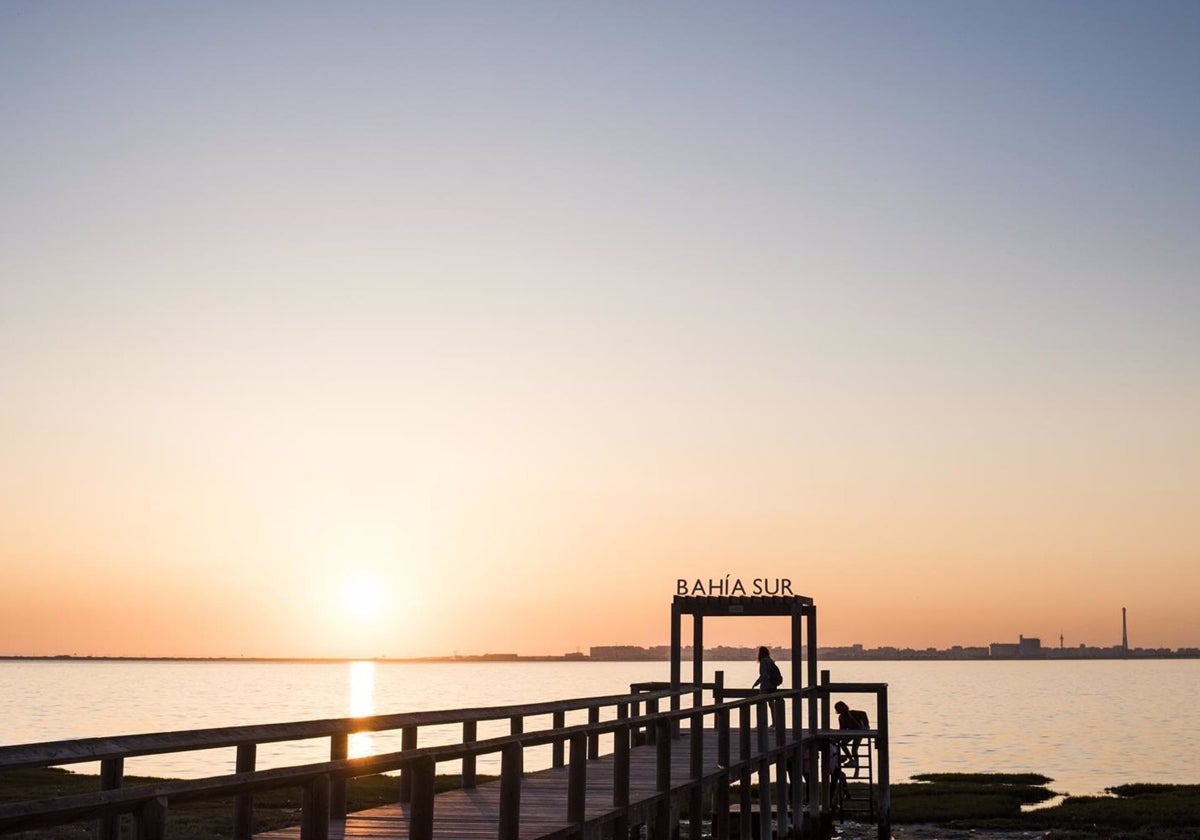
[408, 741]
[764, 773]
[112, 777]
[577, 778]
[314, 810]
[516, 725]
[420, 823]
[796, 774]
[662, 777]
[781, 768]
[745, 825]
[621, 779]
[559, 721]
[511, 761]
[152, 819]
[470, 735]
[696, 794]
[339, 750]
[885, 773]
[720, 817]
[651, 728]
[719, 687]
[635, 710]
[593, 738]
[818, 759]
[243, 803]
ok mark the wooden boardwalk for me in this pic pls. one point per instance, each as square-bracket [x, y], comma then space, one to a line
[474, 814]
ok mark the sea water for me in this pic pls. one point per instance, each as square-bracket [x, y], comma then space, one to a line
[1087, 724]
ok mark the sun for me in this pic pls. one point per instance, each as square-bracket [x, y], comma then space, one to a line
[363, 598]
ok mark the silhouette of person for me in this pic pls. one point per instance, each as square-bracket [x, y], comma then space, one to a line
[851, 719]
[769, 677]
[766, 672]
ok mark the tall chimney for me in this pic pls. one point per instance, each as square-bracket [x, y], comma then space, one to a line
[1124, 635]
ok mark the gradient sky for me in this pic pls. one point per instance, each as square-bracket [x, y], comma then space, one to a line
[517, 313]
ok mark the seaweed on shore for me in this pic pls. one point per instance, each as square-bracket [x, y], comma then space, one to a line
[967, 799]
[984, 801]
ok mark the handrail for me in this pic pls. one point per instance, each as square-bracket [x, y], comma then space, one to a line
[42, 813]
[72, 751]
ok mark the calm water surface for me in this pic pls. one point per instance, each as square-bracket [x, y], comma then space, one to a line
[1089, 725]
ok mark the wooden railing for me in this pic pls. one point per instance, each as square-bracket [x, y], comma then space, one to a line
[324, 783]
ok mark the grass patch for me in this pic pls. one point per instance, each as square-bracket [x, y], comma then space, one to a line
[967, 799]
[993, 801]
[1154, 812]
[985, 778]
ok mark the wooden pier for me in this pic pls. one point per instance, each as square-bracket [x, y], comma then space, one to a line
[475, 813]
[673, 749]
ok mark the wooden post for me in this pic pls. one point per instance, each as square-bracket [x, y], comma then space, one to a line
[511, 761]
[577, 778]
[470, 735]
[314, 810]
[719, 687]
[556, 749]
[781, 768]
[408, 741]
[243, 803]
[764, 773]
[420, 822]
[339, 749]
[112, 777]
[152, 819]
[881, 747]
[814, 790]
[676, 657]
[621, 768]
[696, 795]
[744, 822]
[516, 725]
[621, 776]
[651, 728]
[720, 816]
[676, 646]
[797, 674]
[826, 771]
[698, 657]
[593, 738]
[662, 778]
[796, 777]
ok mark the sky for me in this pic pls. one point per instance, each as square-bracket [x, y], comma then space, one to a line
[408, 329]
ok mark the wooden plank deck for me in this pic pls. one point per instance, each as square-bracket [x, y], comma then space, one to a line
[474, 814]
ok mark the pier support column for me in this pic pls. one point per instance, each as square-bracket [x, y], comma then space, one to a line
[152, 820]
[243, 807]
[420, 823]
[408, 741]
[314, 810]
[512, 761]
[339, 750]
[112, 777]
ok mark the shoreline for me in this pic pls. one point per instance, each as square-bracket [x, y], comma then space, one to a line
[830, 656]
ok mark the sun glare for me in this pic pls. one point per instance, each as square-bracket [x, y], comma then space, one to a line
[362, 598]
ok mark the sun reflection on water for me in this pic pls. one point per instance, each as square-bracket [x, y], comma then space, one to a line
[362, 703]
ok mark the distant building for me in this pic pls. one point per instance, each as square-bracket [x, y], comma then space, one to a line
[1030, 648]
[1023, 649]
